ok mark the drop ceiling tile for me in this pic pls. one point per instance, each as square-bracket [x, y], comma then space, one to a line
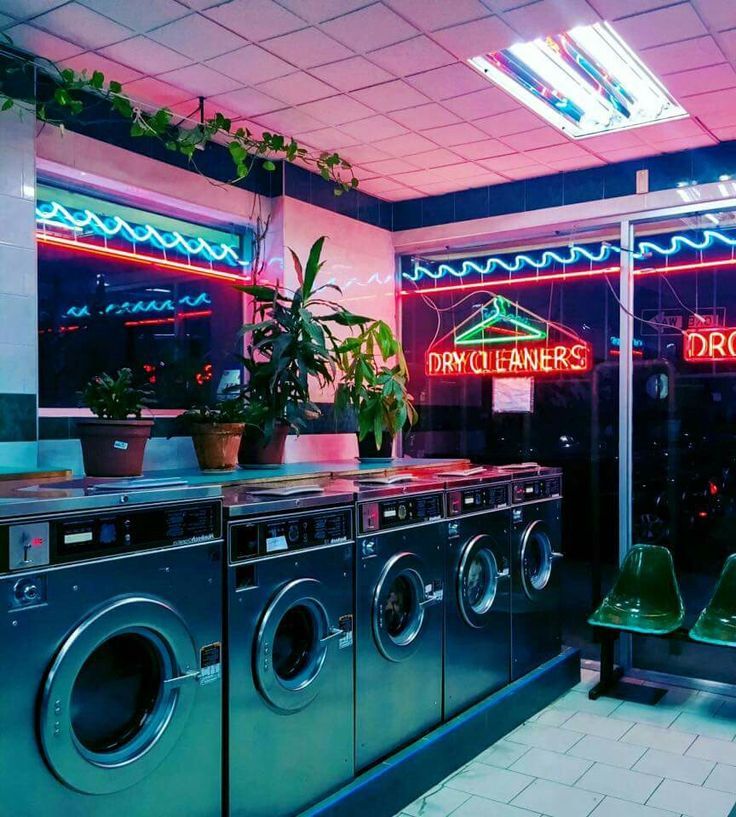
[145, 55]
[615, 141]
[480, 104]
[200, 5]
[679, 129]
[22, 9]
[197, 37]
[450, 81]
[307, 48]
[716, 109]
[329, 139]
[687, 143]
[374, 127]
[411, 56]
[391, 96]
[503, 124]
[405, 144]
[413, 177]
[662, 26]
[528, 172]
[140, 15]
[199, 80]
[614, 9]
[289, 120]
[479, 37]
[317, 11]
[502, 164]
[429, 15]
[336, 110]
[728, 43]
[365, 153]
[32, 39]
[296, 88]
[482, 150]
[459, 134]
[380, 186]
[402, 194]
[537, 138]
[351, 74]
[372, 27]
[550, 16]
[625, 154]
[388, 167]
[251, 65]
[435, 158]
[437, 188]
[463, 170]
[78, 24]
[155, 92]
[559, 153]
[423, 117]
[6, 21]
[674, 57]
[577, 164]
[94, 62]
[701, 80]
[256, 20]
[248, 102]
[725, 134]
[718, 15]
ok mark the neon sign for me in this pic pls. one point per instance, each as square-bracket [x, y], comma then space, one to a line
[714, 345]
[135, 307]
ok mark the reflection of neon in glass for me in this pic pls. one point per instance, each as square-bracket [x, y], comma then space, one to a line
[133, 308]
[637, 343]
[53, 214]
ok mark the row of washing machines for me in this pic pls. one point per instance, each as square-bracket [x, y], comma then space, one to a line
[353, 617]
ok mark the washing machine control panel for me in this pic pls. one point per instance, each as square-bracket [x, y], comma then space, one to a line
[530, 490]
[472, 500]
[395, 513]
[262, 537]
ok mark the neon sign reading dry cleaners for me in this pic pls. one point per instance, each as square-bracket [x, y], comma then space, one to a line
[559, 358]
[710, 345]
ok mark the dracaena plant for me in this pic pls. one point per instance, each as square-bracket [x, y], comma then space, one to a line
[291, 341]
[374, 382]
[115, 398]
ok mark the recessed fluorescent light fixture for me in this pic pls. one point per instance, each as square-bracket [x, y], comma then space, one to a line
[586, 81]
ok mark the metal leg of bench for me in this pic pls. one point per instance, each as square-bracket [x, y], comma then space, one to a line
[610, 673]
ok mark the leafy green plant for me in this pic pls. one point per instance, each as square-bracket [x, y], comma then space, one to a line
[62, 94]
[291, 340]
[115, 398]
[377, 391]
[230, 410]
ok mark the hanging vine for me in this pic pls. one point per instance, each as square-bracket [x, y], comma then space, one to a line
[60, 95]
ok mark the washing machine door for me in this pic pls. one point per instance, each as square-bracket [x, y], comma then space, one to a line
[478, 577]
[402, 595]
[292, 645]
[118, 695]
[537, 559]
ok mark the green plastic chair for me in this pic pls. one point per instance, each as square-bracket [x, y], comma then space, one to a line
[645, 597]
[717, 623]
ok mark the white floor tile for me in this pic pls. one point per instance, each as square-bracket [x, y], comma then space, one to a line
[694, 801]
[556, 800]
[489, 781]
[580, 702]
[675, 767]
[551, 766]
[552, 716]
[481, 807]
[710, 725]
[604, 750]
[438, 802]
[723, 778]
[616, 782]
[722, 751]
[613, 807]
[544, 737]
[658, 737]
[599, 726]
[502, 754]
[646, 713]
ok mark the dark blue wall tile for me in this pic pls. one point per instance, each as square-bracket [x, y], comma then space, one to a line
[297, 182]
[407, 214]
[546, 191]
[666, 171]
[323, 193]
[506, 198]
[347, 203]
[710, 163]
[386, 217]
[620, 179]
[438, 210]
[369, 208]
[583, 185]
[472, 203]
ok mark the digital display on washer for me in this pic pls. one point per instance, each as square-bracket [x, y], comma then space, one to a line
[471, 500]
[407, 510]
[534, 489]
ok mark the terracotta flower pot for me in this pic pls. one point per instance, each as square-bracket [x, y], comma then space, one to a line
[255, 451]
[216, 445]
[368, 449]
[113, 448]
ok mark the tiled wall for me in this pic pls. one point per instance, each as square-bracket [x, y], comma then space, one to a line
[18, 290]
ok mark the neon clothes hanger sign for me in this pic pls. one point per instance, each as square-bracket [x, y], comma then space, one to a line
[513, 341]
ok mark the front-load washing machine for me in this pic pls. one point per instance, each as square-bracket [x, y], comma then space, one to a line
[110, 645]
[536, 554]
[399, 577]
[289, 623]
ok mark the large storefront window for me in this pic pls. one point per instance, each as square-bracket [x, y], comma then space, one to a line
[123, 287]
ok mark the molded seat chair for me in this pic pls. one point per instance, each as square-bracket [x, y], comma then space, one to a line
[717, 623]
[645, 597]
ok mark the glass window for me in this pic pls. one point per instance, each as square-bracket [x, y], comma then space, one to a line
[121, 287]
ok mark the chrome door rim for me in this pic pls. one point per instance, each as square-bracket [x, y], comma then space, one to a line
[104, 773]
[478, 547]
[534, 586]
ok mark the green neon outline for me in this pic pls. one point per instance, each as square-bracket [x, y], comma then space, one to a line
[469, 336]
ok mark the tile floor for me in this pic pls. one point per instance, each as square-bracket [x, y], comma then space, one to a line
[604, 758]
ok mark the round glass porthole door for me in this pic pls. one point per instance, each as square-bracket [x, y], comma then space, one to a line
[118, 695]
[292, 645]
[477, 578]
[537, 558]
[399, 607]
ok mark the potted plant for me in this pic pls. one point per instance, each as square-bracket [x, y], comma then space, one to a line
[375, 390]
[114, 441]
[290, 341]
[216, 433]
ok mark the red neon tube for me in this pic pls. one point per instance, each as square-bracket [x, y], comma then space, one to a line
[205, 313]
